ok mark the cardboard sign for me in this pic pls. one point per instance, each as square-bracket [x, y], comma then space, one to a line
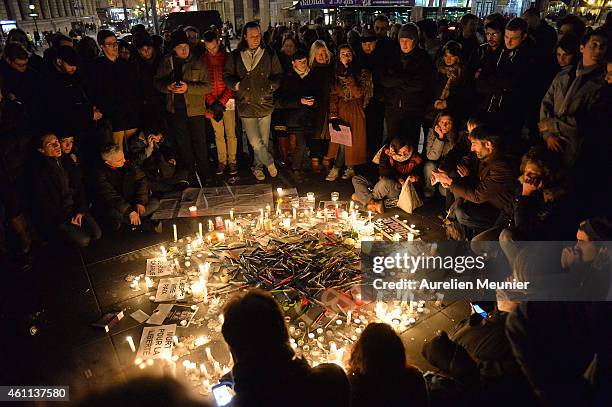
[342, 136]
[171, 289]
[159, 267]
[156, 342]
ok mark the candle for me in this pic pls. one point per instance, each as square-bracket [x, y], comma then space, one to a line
[211, 226]
[325, 214]
[205, 291]
[279, 191]
[130, 341]
[349, 314]
[175, 341]
[240, 233]
[351, 206]
[370, 216]
[200, 230]
[268, 209]
[221, 237]
[410, 237]
[397, 237]
[209, 239]
[411, 307]
[209, 355]
[261, 213]
[163, 251]
[193, 211]
[337, 212]
[232, 214]
[294, 213]
[287, 223]
[175, 232]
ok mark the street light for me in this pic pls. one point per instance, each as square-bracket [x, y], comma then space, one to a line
[34, 15]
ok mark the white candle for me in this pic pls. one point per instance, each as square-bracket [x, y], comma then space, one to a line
[175, 232]
[279, 191]
[261, 213]
[175, 340]
[268, 209]
[221, 237]
[351, 206]
[130, 341]
[211, 226]
[209, 355]
[163, 251]
[411, 307]
[240, 233]
[232, 214]
[349, 314]
[209, 239]
[370, 216]
[410, 237]
[205, 291]
[200, 230]
[294, 213]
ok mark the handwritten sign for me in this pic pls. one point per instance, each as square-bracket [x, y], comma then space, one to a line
[159, 267]
[156, 342]
[172, 314]
[171, 289]
[342, 136]
[390, 226]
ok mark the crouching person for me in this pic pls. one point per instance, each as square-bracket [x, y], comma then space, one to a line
[152, 152]
[59, 200]
[397, 163]
[123, 193]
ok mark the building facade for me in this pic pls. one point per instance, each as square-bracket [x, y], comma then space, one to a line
[51, 15]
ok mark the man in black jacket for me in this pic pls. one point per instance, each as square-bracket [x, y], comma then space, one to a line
[123, 193]
[408, 87]
[60, 203]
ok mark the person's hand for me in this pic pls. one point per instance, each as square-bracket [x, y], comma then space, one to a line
[151, 140]
[307, 102]
[440, 104]
[77, 219]
[134, 218]
[140, 209]
[433, 180]
[335, 122]
[413, 178]
[172, 162]
[74, 157]
[438, 131]
[209, 115]
[462, 170]
[477, 74]
[97, 115]
[545, 125]
[569, 257]
[401, 181]
[181, 89]
[443, 178]
[531, 187]
[553, 143]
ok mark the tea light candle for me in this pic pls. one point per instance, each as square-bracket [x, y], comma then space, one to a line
[232, 214]
[175, 232]
[279, 191]
[163, 251]
[221, 237]
[130, 341]
[193, 211]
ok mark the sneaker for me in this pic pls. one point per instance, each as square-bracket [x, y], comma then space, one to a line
[259, 174]
[333, 174]
[272, 170]
[233, 169]
[348, 173]
[220, 169]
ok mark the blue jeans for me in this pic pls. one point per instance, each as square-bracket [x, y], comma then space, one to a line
[384, 188]
[80, 236]
[258, 132]
[476, 216]
[429, 189]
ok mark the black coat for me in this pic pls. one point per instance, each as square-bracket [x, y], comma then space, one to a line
[298, 118]
[121, 188]
[26, 87]
[379, 62]
[322, 77]
[408, 83]
[153, 101]
[69, 109]
[114, 89]
[56, 197]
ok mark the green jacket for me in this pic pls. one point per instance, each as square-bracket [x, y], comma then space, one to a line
[195, 75]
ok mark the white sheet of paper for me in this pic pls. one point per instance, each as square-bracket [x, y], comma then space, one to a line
[171, 289]
[156, 342]
[140, 316]
[159, 267]
[160, 313]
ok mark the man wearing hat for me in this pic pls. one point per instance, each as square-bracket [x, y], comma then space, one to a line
[147, 62]
[295, 99]
[69, 110]
[408, 84]
[185, 81]
[376, 55]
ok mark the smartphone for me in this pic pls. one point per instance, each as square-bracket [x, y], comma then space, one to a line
[223, 394]
[478, 309]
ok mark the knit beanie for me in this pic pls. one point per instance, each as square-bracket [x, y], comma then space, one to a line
[409, 30]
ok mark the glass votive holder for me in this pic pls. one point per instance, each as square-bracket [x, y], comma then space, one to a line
[335, 196]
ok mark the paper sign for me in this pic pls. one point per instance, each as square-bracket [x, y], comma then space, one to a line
[140, 316]
[390, 226]
[172, 314]
[156, 342]
[171, 289]
[343, 136]
[159, 267]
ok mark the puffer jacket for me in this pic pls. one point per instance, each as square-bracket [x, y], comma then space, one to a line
[215, 64]
[195, 75]
[121, 188]
[255, 95]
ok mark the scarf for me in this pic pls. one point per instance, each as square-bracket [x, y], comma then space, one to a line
[302, 74]
[250, 58]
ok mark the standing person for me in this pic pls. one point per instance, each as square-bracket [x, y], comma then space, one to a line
[226, 37]
[544, 35]
[147, 62]
[408, 83]
[379, 374]
[322, 72]
[568, 51]
[449, 86]
[468, 39]
[223, 117]
[195, 45]
[60, 203]
[114, 88]
[254, 73]
[185, 80]
[350, 94]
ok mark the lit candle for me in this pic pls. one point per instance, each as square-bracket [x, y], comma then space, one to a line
[261, 213]
[175, 340]
[163, 251]
[209, 239]
[240, 233]
[410, 237]
[232, 214]
[130, 341]
[193, 211]
[200, 230]
[221, 237]
[279, 191]
[294, 213]
[287, 223]
[209, 355]
[268, 209]
[349, 314]
[411, 307]
[351, 206]
[397, 237]
[211, 226]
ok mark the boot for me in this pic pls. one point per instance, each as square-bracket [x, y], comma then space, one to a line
[22, 231]
[283, 149]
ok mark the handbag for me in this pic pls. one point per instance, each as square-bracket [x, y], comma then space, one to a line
[409, 199]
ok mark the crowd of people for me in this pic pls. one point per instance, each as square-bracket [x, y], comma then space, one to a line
[505, 122]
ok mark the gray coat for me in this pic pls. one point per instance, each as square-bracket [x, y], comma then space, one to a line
[566, 110]
[254, 97]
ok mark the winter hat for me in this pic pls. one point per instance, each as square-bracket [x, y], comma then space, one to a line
[68, 55]
[368, 35]
[178, 37]
[409, 30]
[598, 228]
[142, 39]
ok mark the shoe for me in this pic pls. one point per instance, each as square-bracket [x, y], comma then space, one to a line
[233, 169]
[316, 164]
[220, 169]
[348, 173]
[259, 174]
[272, 170]
[333, 174]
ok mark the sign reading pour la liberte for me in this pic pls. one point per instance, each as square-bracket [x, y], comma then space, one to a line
[156, 342]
